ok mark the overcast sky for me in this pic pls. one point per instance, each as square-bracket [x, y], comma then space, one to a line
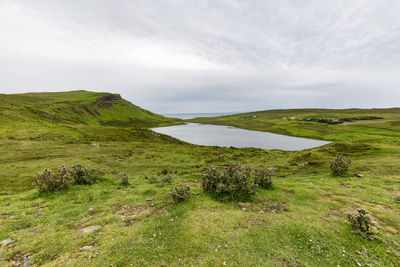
[173, 56]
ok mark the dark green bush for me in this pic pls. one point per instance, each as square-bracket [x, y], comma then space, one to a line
[180, 193]
[49, 181]
[233, 182]
[339, 165]
[361, 222]
[263, 177]
[82, 175]
[64, 178]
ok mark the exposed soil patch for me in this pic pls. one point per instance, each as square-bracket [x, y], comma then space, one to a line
[89, 229]
[262, 207]
[289, 192]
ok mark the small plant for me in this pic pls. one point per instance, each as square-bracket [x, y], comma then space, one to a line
[361, 222]
[50, 181]
[124, 179]
[163, 172]
[263, 177]
[180, 193]
[339, 165]
[232, 181]
[82, 175]
[90, 196]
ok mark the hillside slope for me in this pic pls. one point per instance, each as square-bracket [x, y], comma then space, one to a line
[326, 124]
[62, 114]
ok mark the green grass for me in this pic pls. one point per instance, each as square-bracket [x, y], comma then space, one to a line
[140, 226]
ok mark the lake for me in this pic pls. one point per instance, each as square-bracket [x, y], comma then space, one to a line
[226, 136]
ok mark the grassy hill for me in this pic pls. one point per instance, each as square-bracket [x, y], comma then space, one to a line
[74, 115]
[300, 222]
[374, 125]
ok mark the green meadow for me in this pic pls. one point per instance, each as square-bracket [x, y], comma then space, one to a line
[300, 222]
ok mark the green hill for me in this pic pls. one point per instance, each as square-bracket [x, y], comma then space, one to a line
[70, 114]
[373, 125]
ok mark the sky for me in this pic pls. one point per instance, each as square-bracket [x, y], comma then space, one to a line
[188, 56]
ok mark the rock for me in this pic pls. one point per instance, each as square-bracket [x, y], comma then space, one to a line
[6, 242]
[149, 199]
[91, 209]
[90, 229]
[359, 175]
[93, 144]
[27, 263]
[86, 247]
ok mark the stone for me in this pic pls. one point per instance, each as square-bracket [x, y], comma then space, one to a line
[27, 263]
[90, 229]
[86, 247]
[359, 175]
[6, 242]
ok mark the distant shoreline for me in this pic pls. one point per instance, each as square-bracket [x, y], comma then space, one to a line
[195, 115]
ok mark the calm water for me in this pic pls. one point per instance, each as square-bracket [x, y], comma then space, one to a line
[218, 135]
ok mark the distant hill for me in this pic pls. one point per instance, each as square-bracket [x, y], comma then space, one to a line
[324, 124]
[31, 115]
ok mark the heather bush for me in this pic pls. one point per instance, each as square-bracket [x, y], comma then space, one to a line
[180, 193]
[232, 181]
[263, 177]
[124, 179]
[361, 222]
[82, 175]
[339, 165]
[50, 181]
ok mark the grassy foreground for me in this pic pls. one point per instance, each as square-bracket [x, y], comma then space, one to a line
[301, 222]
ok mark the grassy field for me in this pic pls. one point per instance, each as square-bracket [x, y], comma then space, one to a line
[301, 222]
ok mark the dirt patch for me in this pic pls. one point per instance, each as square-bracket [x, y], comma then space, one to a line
[130, 214]
[89, 229]
[255, 222]
[289, 192]
[263, 206]
[326, 198]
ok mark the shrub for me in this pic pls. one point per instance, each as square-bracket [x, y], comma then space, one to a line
[124, 179]
[361, 221]
[82, 175]
[339, 165]
[160, 179]
[263, 177]
[49, 181]
[232, 181]
[180, 193]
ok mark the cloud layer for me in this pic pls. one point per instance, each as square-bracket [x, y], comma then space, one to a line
[203, 56]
